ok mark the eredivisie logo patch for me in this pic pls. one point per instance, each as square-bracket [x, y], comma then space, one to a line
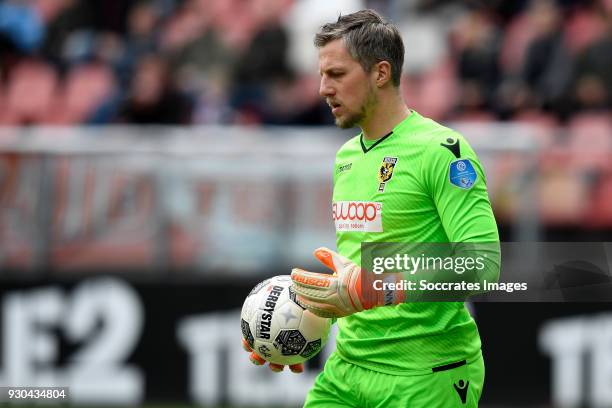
[462, 174]
[361, 216]
[385, 172]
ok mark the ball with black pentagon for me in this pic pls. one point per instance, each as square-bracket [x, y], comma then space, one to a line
[279, 329]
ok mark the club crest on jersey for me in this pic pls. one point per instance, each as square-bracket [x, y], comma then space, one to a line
[462, 174]
[385, 172]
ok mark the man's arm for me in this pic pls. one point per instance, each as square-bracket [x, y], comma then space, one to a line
[454, 178]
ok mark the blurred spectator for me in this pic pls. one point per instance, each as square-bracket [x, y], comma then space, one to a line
[142, 37]
[211, 101]
[253, 61]
[548, 63]
[293, 102]
[592, 80]
[74, 16]
[546, 68]
[141, 34]
[265, 58]
[201, 57]
[21, 28]
[152, 98]
[477, 43]
[110, 15]
[189, 38]
[583, 25]
[263, 65]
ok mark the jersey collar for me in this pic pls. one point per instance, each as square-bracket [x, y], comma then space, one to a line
[367, 149]
[413, 114]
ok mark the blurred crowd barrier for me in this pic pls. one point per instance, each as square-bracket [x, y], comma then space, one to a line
[241, 199]
[206, 198]
[164, 198]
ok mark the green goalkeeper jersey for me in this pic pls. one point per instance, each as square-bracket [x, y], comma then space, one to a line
[420, 183]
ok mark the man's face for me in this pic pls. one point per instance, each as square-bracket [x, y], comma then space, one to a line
[346, 87]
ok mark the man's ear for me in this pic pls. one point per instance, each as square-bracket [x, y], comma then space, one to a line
[382, 70]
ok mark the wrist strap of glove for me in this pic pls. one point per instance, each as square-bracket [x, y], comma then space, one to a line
[372, 297]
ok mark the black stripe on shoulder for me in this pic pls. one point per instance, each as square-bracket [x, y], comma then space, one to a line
[449, 366]
[365, 149]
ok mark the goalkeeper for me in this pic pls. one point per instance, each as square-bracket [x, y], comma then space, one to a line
[403, 179]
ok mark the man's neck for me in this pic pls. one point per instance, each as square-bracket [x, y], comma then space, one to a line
[385, 117]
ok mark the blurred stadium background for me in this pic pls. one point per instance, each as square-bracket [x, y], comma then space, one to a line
[158, 158]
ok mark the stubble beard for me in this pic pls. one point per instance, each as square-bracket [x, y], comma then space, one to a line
[358, 118]
[351, 121]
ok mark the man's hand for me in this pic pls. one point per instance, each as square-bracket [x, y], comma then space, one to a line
[277, 368]
[345, 292]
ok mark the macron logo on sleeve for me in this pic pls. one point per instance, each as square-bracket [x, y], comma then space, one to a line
[361, 216]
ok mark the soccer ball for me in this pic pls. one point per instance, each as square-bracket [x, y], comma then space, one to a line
[277, 328]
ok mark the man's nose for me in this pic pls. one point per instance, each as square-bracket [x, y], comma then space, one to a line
[325, 89]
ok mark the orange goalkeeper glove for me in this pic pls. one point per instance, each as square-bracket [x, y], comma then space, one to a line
[349, 290]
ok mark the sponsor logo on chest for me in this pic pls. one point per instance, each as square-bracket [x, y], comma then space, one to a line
[361, 216]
